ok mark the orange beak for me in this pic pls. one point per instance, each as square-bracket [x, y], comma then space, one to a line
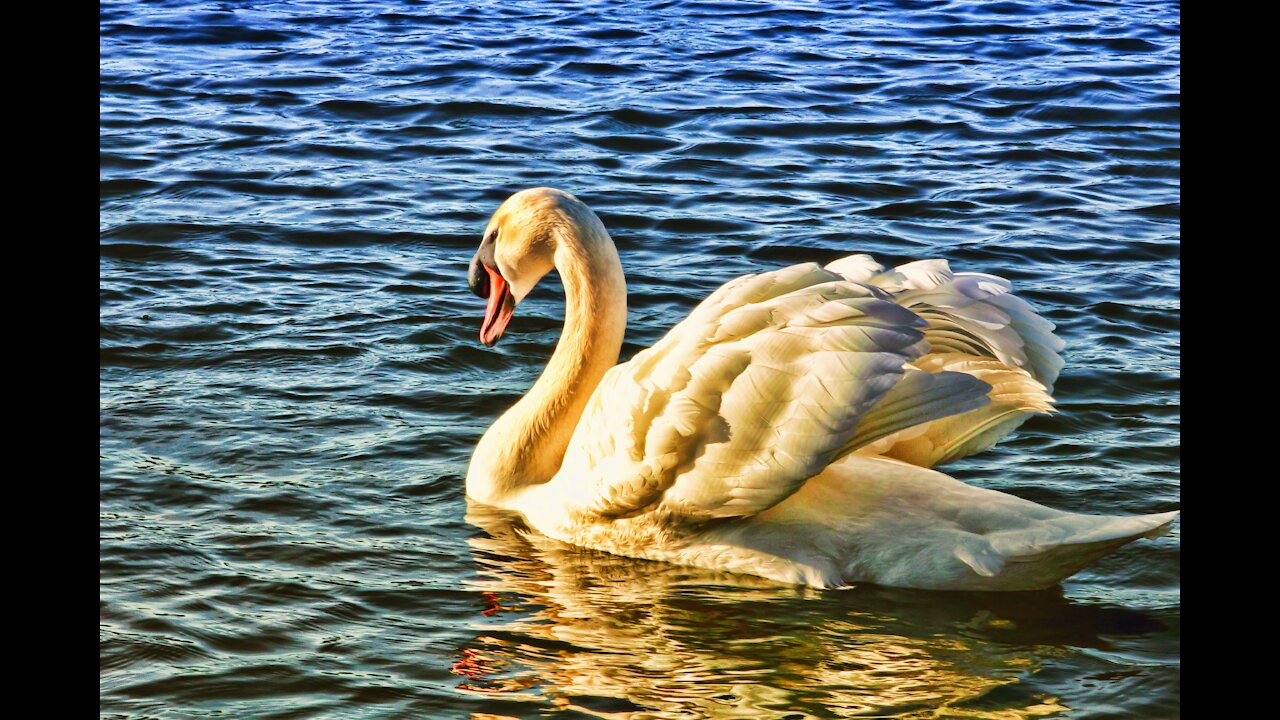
[500, 309]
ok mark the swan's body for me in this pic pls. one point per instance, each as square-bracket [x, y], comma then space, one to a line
[787, 427]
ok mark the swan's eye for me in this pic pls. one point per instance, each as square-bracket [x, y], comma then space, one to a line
[493, 236]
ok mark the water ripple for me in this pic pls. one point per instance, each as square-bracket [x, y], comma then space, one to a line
[291, 384]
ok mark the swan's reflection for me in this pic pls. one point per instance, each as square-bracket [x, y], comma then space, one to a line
[612, 636]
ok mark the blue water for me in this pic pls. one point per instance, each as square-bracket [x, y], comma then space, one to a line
[291, 381]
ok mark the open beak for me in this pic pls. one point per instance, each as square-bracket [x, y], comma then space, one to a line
[500, 309]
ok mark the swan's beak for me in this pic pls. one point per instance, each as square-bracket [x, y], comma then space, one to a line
[500, 309]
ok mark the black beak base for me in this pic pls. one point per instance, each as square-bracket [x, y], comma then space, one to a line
[477, 278]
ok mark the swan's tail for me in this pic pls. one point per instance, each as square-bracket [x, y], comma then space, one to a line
[1049, 551]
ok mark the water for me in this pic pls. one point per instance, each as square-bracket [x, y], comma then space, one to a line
[291, 381]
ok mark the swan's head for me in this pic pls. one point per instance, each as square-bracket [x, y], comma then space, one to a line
[518, 248]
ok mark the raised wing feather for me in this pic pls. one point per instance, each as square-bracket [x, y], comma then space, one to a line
[976, 314]
[975, 326]
[757, 391]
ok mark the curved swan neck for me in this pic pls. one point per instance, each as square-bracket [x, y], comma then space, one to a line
[527, 444]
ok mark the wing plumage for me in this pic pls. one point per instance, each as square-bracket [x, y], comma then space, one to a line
[776, 375]
[976, 325]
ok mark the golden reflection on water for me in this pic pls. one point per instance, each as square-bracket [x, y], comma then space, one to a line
[614, 637]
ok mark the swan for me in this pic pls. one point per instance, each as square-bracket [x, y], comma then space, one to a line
[787, 428]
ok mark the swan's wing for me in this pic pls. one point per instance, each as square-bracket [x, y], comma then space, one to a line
[759, 389]
[1014, 395]
[977, 314]
[975, 326]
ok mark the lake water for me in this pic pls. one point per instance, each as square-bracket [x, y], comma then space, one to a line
[291, 381]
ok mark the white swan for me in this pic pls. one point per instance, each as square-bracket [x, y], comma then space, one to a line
[786, 427]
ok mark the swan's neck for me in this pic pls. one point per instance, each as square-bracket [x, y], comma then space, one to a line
[527, 444]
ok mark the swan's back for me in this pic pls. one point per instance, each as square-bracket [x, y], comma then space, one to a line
[776, 375]
[719, 445]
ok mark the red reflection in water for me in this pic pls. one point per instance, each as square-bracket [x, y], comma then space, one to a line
[470, 665]
[492, 606]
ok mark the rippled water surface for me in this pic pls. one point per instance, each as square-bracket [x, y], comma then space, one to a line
[291, 382]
